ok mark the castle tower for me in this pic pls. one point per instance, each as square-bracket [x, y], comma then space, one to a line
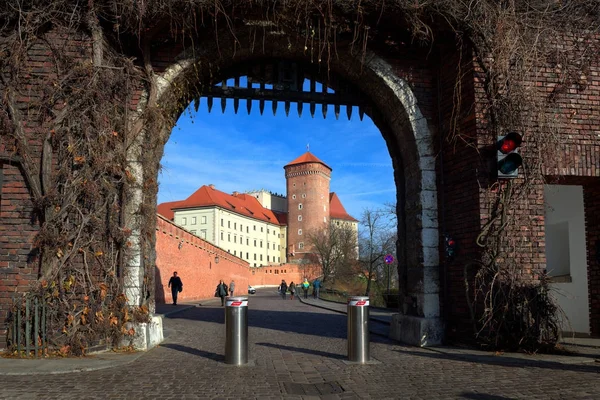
[307, 184]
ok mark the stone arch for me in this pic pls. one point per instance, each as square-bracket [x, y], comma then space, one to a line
[409, 139]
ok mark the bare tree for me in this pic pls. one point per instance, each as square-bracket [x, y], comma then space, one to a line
[376, 240]
[334, 246]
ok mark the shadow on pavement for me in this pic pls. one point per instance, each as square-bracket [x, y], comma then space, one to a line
[483, 396]
[196, 352]
[330, 325]
[503, 361]
[302, 350]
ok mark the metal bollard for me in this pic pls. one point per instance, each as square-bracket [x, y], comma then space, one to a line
[236, 327]
[358, 329]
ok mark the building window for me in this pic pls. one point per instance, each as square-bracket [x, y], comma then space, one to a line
[241, 228]
[254, 242]
[235, 252]
[261, 243]
[294, 185]
[247, 256]
[268, 231]
[221, 235]
[294, 196]
[255, 257]
[234, 239]
[229, 237]
[193, 232]
[300, 206]
[267, 258]
[324, 208]
[247, 229]
[303, 195]
[183, 221]
[278, 259]
[203, 233]
[301, 245]
[299, 231]
[247, 242]
[325, 219]
[222, 222]
[193, 220]
[278, 247]
[261, 257]
[229, 224]
[203, 220]
[299, 217]
[261, 229]
[235, 225]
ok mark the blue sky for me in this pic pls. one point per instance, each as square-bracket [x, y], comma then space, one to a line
[241, 152]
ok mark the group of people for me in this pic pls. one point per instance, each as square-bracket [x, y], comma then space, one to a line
[305, 285]
[221, 291]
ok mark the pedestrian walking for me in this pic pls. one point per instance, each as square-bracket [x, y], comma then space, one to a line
[284, 288]
[305, 286]
[221, 291]
[231, 287]
[316, 288]
[292, 290]
[176, 286]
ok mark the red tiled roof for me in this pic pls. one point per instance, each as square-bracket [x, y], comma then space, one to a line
[307, 157]
[337, 210]
[206, 196]
[166, 209]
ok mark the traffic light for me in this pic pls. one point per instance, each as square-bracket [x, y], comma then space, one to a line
[508, 158]
[449, 247]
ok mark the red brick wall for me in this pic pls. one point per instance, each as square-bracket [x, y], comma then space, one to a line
[458, 194]
[18, 261]
[195, 265]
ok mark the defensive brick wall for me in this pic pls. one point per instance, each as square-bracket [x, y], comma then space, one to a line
[200, 273]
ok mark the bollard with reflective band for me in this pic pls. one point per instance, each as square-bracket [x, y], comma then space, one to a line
[358, 329]
[236, 330]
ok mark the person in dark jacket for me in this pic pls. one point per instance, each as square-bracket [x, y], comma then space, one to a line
[176, 286]
[283, 288]
[221, 291]
[292, 290]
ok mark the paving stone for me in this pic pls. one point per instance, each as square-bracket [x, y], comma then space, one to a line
[294, 343]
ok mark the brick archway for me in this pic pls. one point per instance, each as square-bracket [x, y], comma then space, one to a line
[398, 115]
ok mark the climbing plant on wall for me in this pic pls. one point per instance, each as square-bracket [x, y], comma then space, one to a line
[86, 104]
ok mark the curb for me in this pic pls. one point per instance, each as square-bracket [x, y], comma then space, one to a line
[343, 312]
[53, 367]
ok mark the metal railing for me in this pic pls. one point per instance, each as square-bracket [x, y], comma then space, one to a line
[27, 330]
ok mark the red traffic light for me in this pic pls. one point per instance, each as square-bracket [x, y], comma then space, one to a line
[509, 142]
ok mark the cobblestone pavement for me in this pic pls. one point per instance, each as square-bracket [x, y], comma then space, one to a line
[299, 352]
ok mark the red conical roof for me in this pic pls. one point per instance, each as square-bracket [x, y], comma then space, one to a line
[305, 158]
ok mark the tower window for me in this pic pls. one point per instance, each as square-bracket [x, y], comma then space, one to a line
[301, 245]
[299, 231]
[299, 217]
[300, 206]
[303, 195]
[294, 196]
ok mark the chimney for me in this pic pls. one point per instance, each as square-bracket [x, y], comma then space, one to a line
[211, 186]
